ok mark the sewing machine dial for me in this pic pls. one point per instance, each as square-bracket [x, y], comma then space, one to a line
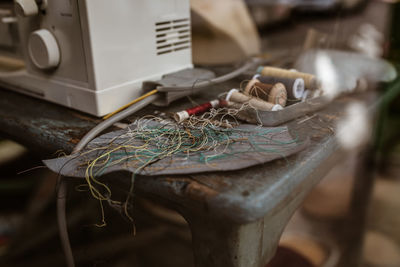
[26, 8]
[43, 49]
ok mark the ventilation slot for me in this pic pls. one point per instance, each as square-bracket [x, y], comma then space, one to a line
[172, 35]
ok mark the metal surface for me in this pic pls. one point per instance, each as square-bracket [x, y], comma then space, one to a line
[274, 118]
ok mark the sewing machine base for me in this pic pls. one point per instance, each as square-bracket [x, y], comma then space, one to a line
[74, 95]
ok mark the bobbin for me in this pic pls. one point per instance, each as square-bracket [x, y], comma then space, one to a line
[250, 84]
[294, 87]
[310, 80]
[275, 94]
[278, 94]
[185, 114]
[235, 96]
[181, 116]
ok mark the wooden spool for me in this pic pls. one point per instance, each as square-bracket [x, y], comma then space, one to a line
[275, 94]
[294, 87]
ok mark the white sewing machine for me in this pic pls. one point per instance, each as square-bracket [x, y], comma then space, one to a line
[93, 55]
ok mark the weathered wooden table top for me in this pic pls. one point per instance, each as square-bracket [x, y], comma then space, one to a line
[241, 196]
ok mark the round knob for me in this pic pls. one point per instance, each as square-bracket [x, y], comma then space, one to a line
[43, 49]
[26, 8]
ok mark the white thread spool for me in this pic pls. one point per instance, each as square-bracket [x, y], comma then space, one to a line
[181, 116]
[235, 96]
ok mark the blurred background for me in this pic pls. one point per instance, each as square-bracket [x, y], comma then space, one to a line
[225, 32]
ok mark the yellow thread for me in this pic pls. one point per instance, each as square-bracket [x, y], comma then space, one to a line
[131, 103]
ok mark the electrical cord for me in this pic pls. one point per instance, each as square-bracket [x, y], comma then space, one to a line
[131, 108]
[251, 63]
[200, 85]
[62, 190]
[110, 121]
[62, 221]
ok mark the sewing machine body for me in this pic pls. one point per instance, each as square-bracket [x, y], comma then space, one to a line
[93, 55]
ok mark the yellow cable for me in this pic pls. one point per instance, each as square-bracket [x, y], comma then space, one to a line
[131, 103]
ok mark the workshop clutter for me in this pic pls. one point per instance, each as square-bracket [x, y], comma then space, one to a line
[271, 97]
[155, 146]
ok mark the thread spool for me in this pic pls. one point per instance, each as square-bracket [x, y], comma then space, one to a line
[185, 114]
[310, 81]
[278, 94]
[275, 94]
[250, 85]
[235, 96]
[294, 87]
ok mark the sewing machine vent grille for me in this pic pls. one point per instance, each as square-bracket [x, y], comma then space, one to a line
[172, 35]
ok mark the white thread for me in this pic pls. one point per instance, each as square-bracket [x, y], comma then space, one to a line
[214, 103]
[298, 88]
[229, 95]
[181, 116]
[276, 107]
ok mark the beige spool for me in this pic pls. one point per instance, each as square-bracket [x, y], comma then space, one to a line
[310, 80]
[235, 96]
[275, 94]
[250, 85]
[258, 89]
[278, 94]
